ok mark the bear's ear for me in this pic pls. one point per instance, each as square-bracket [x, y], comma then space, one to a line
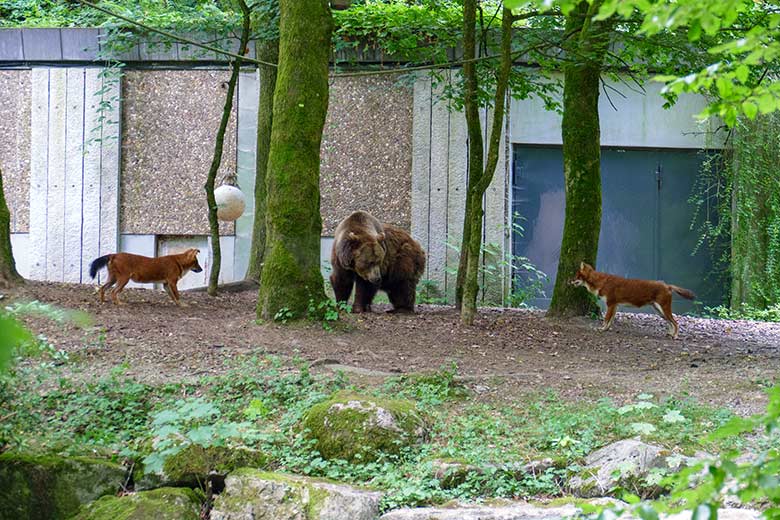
[380, 237]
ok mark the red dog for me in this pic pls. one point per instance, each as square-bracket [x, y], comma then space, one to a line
[616, 289]
[123, 267]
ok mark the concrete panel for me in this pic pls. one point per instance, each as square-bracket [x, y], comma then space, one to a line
[39, 153]
[11, 45]
[421, 158]
[20, 247]
[437, 216]
[495, 230]
[42, 44]
[167, 245]
[15, 119]
[638, 120]
[186, 51]
[456, 197]
[246, 165]
[145, 245]
[158, 51]
[90, 232]
[74, 167]
[55, 189]
[79, 44]
[109, 164]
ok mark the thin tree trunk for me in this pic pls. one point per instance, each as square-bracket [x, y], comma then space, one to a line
[216, 250]
[291, 269]
[267, 50]
[471, 283]
[581, 159]
[474, 129]
[9, 276]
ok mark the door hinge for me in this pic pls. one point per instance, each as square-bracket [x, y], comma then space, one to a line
[658, 177]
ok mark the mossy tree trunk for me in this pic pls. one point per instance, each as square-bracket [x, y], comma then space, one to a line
[216, 250]
[9, 276]
[478, 186]
[266, 50]
[474, 130]
[585, 46]
[291, 269]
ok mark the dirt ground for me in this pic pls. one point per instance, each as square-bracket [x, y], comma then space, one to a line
[507, 353]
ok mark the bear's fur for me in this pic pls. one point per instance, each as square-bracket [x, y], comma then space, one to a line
[371, 256]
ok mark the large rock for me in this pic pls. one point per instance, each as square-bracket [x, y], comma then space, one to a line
[525, 511]
[515, 511]
[359, 428]
[625, 464]
[194, 465]
[159, 504]
[52, 487]
[251, 494]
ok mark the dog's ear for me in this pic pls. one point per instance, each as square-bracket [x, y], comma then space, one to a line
[352, 235]
[582, 266]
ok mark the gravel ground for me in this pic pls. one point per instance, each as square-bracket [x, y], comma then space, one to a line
[506, 354]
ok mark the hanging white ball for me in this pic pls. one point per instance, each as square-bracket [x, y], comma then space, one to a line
[230, 202]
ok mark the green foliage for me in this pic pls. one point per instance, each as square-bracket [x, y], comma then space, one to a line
[745, 312]
[701, 487]
[527, 279]
[328, 312]
[737, 201]
[428, 292]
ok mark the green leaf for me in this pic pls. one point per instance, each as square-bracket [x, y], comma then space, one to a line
[12, 334]
[673, 416]
[694, 32]
[750, 109]
[736, 426]
[642, 428]
[743, 73]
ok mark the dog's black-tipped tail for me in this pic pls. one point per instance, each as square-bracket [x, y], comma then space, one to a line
[685, 293]
[98, 264]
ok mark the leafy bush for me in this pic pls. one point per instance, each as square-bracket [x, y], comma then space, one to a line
[745, 312]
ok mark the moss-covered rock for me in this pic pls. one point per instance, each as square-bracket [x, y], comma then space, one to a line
[52, 487]
[251, 494]
[622, 465]
[357, 428]
[159, 504]
[194, 463]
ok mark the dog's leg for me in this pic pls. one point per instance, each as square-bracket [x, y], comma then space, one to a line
[168, 291]
[611, 310]
[118, 289]
[175, 294]
[111, 281]
[674, 328]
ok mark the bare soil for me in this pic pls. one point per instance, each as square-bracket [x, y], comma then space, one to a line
[507, 354]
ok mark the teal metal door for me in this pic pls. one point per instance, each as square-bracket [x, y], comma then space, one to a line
[645, 222]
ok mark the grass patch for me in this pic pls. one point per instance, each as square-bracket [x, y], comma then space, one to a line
[45, 410]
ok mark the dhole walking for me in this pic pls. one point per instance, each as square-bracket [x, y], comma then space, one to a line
[123, 267]
[615, 290]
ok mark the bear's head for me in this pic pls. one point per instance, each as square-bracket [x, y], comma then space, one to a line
[364, 253]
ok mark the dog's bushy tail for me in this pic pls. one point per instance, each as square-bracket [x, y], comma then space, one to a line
[685, 293]
[98, 264]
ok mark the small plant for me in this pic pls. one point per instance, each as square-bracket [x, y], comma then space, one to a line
[327, 311]
[428, 292]
[192, 422]
[745, 312]
[284, 315]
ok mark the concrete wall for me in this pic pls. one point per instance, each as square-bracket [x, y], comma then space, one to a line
[74, 171]
[440, 170]
[15, 145]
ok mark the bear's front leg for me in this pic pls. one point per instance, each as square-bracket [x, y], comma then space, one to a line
[364, 295]
[342, 281]
[402, 296]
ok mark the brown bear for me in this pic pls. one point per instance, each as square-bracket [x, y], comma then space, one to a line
[374, 256]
